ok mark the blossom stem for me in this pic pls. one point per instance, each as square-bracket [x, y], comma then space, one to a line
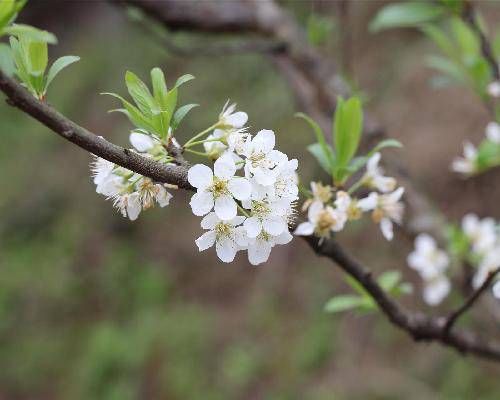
[201, 134]
[188, 145]
[356, 186]
[199, 153]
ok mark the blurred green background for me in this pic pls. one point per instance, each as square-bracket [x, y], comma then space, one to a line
[93, 306]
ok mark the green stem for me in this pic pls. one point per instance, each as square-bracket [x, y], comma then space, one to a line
[199, 153]
[199, 135]
[356, 186]
[187, 145]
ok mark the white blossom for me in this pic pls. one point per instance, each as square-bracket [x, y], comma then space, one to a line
[284, 187]
[354, 208]
[436, 290]
[141, 141]
[129, 204]
[494, 89]
[489, 263]
[218, 189]
[481, 233]
[228, 118]
[320, 192]
[322, 220]
[259, 248]
[388, 209]
[467, 164]
[215, 148]
[374, 176]
[427, 259]
[261, 158]
[269, 217]
[493, 132]
[229, 236]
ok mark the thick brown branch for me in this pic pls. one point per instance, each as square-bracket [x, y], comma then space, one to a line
[471, 300]
[19, 97]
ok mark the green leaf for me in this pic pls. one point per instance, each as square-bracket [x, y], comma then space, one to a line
[319, 154]
[447, 67]
[386, 143]
[327, 159]
[407, 14]
[180, 114]
[7, 12]
[159, 87]
[133, 113]
[443, 42]
[141, 95]
[37, 56]
[488, 155]
[347, 127]
[7, 60]
[389, 279]
[183, 79]
[31, 33]
[354, 284]
[345, 302]
[20, 61]
[466, 39]
[58, 66]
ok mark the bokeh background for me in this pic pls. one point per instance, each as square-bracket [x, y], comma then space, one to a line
[93, 306]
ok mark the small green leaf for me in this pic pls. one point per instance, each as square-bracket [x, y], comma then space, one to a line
[58, 66]
[488, 155]
[180, 114]
[159, 87]
[133, 113]
[344, 303]
[406, 14]
[328, 158]
[389, 279]
[7, 60]
[7, 13]
[347, 127]
[141, 95]
[443, 42]
[37, 54]
[31, 33]
[183, 79]
[447, 67]
[319, 154]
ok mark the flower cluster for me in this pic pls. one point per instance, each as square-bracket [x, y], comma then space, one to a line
[329, 210]
[431, 263]
[250, 211]
[485, 156]
[131, 193]
[482, 250]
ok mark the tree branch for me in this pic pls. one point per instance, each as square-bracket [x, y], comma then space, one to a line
[19, 97]
[470, 17]
[471, 300]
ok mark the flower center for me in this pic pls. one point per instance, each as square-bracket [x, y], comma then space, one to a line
[219, 187]
[222, 230]
[325, 221]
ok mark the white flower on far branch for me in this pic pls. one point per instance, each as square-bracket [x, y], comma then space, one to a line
[481, 233]
[493, 132]
[353, 207]
[320, 192]
[430, 262]
[466, 165]
[494, 89]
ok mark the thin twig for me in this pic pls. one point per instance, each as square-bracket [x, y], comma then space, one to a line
[470, 17]
[469, 302]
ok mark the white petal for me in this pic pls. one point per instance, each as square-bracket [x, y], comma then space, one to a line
[240, 188]
[369, 202]
[225, 208]
[206, 240]
[284, 238]
[372, 164]
[304, 229]
[241, 238]
[314, 210]
[252, 226]
[237, 220]
[226, 250]
[141, 141]
[200, 176]
[386, 228]
[493, 132]
[470, 151]
[238, 119]
[496, 290]
[425, 243]
[264, 141]
[209, 221]
[201, 203]
[264, 177]
[225, 167]
[395, 196]
[436, 290]
[384, 183]
[163, 197]
[274, 225]
[133, 206]
[259, 252]
[470, 224]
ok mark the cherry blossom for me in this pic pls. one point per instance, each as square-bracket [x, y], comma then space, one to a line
[388, 209]
[374, 176]
[467, 164]
[322, 221]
